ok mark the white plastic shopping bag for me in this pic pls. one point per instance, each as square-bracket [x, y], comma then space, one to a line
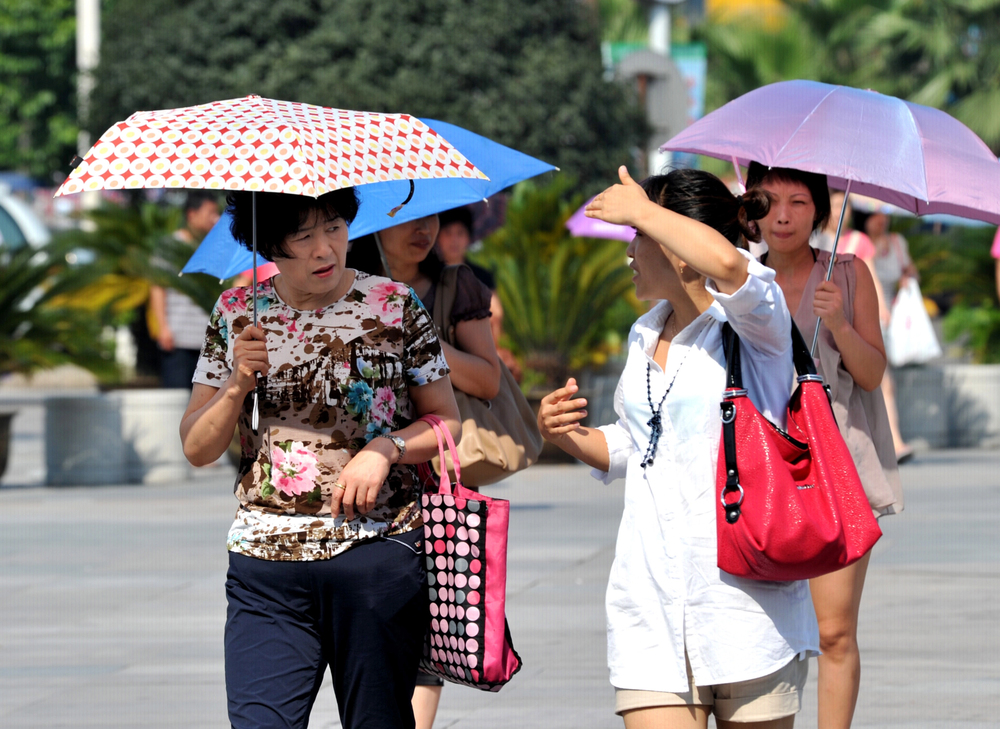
[910, 338]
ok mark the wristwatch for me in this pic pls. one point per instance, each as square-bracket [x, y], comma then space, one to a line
[399, 443]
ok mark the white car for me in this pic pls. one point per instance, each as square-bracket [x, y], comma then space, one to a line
[19, 224]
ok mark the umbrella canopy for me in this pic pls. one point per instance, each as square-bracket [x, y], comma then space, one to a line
[915, 157]
[221, 255]
[583, 227]
[265, 145]
[865, 204]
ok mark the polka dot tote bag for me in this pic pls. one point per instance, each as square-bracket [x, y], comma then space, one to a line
[466, 543]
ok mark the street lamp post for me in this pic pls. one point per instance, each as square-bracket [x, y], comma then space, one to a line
[659, 42]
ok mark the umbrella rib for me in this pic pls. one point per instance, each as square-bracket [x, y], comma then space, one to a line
[806, 118]
[923, 161]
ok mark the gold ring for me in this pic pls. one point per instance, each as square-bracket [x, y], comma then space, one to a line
[339, 485]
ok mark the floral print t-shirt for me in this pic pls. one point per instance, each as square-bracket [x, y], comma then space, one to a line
[339, 377]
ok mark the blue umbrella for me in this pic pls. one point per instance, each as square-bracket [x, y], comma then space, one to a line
[222, 256]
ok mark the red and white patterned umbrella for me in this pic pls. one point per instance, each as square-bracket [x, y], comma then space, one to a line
[265, 145]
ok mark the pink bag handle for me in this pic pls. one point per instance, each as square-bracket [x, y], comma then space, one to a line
[444, 436]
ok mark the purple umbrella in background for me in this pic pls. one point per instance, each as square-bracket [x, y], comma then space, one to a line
[583, 227]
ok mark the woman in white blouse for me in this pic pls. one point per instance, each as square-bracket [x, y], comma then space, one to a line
[686, 640]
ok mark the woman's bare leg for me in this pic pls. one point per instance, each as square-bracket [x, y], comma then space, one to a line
[837, 601]
[889, 394]
[667, 717]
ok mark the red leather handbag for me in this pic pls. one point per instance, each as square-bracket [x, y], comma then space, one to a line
[791, 505]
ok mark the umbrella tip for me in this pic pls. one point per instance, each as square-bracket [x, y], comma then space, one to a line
[75, 162]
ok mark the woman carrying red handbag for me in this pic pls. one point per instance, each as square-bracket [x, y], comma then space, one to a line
[686, 640]
[851, 358]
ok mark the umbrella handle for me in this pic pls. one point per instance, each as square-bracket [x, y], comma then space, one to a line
[833, 259]
[255, 416]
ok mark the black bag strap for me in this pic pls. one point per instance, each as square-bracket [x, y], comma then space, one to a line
[803, 361]
[805, 366]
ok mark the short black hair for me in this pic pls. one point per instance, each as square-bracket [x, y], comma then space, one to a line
[280, 214]
[702, 196]
[196, 198]
[859, 220]
[814, 182]
[461, 215]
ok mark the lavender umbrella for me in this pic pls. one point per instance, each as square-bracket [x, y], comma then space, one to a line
[912, 156]
[583, 227]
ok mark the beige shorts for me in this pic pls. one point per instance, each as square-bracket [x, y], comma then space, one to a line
[770, 697]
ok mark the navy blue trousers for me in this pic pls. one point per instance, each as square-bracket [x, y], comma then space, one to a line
[363, 613]
[177, 367]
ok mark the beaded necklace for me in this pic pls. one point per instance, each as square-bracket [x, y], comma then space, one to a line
[655, 423]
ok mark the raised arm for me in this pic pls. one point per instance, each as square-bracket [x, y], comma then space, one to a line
[703, 248]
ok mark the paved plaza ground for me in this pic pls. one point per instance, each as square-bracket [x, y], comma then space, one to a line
[113, 605]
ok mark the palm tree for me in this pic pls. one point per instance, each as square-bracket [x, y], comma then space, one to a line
[623, 21]
[39, 329]
[748, 52]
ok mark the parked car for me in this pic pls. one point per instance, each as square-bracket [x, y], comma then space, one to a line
[19, 225]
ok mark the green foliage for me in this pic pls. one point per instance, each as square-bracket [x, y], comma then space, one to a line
[133, 247]
[38, 330]
[981, 325]
[565, 299]
[525, 73]
[954, 264]
[751, 52]
[956, 269]
[37, 85]
[944, 54]
[623, 21]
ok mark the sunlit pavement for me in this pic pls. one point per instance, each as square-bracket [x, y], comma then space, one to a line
[113, 604]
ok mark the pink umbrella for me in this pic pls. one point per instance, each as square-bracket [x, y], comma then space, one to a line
[912, 156]
[918, 158]
[583, 227]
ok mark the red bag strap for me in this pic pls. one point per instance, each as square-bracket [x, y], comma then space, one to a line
[444, 436]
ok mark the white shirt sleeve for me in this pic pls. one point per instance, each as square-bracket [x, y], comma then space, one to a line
[620, 448]
[759, 315]
[618, 437]
[757, 310]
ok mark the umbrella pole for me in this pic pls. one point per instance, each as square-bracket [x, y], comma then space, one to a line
[833, 259]
[739, 175]
[255, 417]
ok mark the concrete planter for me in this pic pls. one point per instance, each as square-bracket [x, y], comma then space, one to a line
[118, 437]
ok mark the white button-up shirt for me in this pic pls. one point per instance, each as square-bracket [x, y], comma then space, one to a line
[666, 591]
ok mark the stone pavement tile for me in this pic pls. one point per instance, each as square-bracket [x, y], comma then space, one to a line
[114, 605]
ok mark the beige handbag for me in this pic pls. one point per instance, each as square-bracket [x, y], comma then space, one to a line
[499, 436]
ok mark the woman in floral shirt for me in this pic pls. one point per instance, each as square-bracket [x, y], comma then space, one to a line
[326, 556]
